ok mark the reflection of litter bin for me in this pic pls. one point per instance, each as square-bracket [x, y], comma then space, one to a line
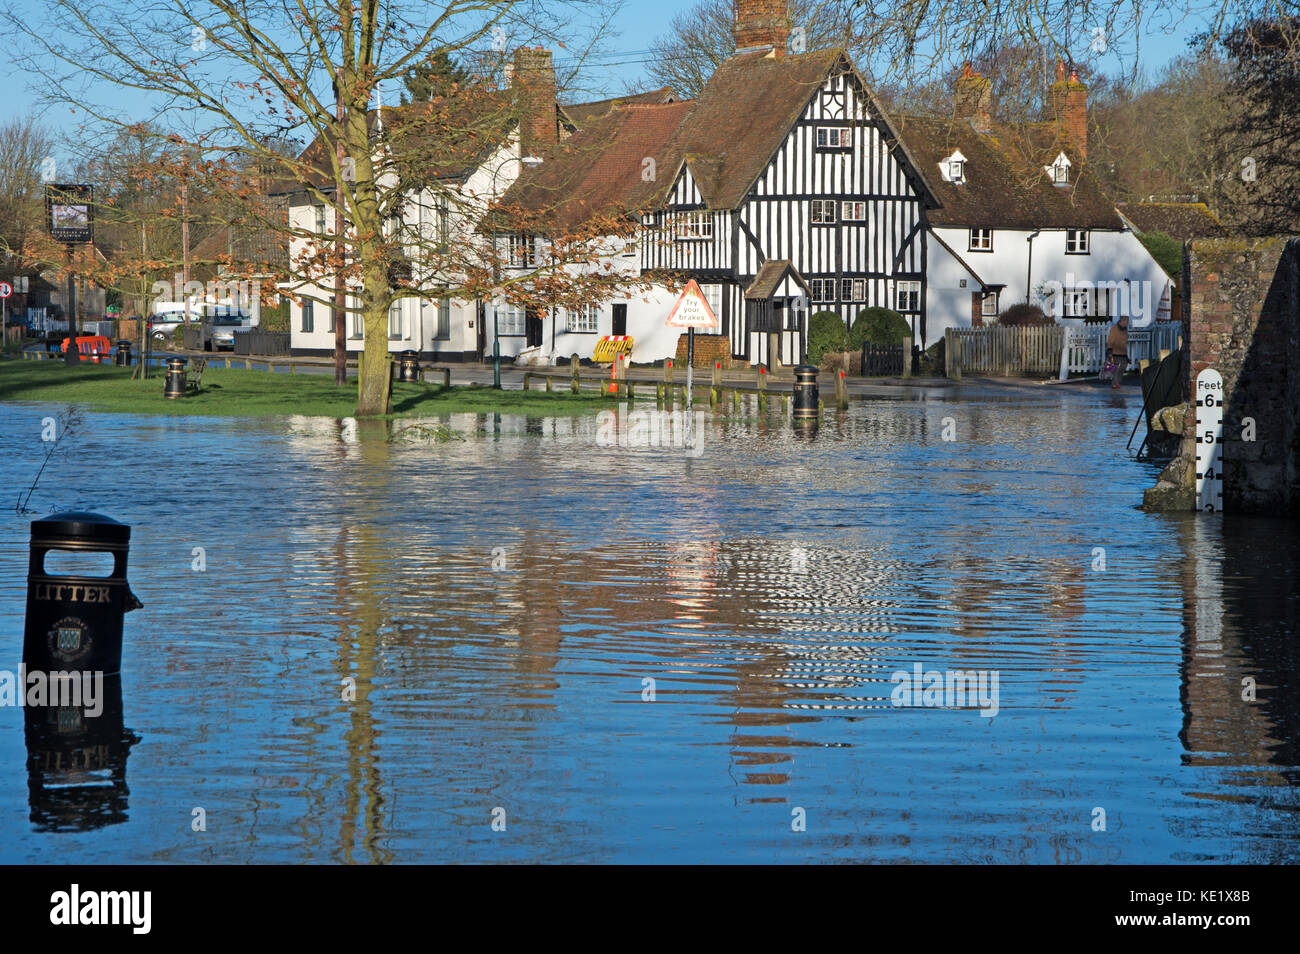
[174, 385]
[123, 357]
[409, 368]
[806, 393]
[76, 762]
[74, 622]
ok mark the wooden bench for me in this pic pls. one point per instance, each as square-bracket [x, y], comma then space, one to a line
[194, 375]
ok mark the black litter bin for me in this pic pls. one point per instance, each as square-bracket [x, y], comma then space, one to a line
[123, 357]
[174, 384]
[74, 623]
[806, 394]
[409, 367]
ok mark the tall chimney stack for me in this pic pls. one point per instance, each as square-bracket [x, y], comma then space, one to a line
[973, 99]
[1069, 103]
[533, 81]
[761, 23]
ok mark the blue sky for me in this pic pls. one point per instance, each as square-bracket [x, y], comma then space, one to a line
[638, 24]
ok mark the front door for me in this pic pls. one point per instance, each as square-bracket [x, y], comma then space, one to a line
[533, 328]
[620, 320]
[775, 335]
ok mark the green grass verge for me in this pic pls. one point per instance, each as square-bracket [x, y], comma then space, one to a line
[239, 393]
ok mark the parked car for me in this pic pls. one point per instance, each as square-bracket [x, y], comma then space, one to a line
[223, 329]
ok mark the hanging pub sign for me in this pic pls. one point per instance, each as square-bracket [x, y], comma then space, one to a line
[70, 209]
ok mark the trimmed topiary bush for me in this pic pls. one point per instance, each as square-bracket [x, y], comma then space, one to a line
[878, 326]
[826, 332]
[1024, 314]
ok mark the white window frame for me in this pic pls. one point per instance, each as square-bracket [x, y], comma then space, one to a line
[1060, 173]
[396, 321]
[584, 320]
[522, 250]
[911, 289]
[980, 240]
[442, 319]
[989, 297]
[822, 212]
[853, 289]
[821, 290]
[695, 225]
[511, 321]
[713, 295]
[834, 137]
[307, 321]
[1077, 242]
[957, 170]
[853, 210]
[320, 219]
[1070, 299]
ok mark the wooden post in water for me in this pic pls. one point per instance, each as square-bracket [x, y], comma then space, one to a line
[575, 384]
[907, 356]
[715, 385]
[841, 392]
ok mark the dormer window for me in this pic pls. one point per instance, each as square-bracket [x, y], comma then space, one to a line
[953, 169]
[1059, 171]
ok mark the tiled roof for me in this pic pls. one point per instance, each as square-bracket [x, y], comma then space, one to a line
[726, 138]
[583, 113]
[1180, 220]
[768, 277]
[601, 169]
[1006, 185]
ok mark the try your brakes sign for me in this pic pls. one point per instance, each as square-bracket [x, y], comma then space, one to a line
[692, 310]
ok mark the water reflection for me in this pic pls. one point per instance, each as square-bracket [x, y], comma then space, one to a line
[76, 763]
[397, 638]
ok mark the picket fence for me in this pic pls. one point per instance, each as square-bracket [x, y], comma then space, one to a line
[1055, 349]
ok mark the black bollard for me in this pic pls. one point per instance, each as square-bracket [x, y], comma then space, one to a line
[74, 623]
[174, 385]
[806, 393]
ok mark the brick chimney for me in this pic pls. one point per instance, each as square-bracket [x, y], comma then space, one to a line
[761, 23]
[1069, 104]
[533, 80]
[973, 99]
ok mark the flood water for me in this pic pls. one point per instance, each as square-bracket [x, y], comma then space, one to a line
[632, 654]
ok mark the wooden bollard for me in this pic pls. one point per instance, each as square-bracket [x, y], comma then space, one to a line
[762, 388]
[628, 387]
[574, 383]
[659, 394]
[907, 356]
[841, 392]
[668, 381]
[446, 377]
[293, 368]
[735, 399]
[227, 364]
[548, 384]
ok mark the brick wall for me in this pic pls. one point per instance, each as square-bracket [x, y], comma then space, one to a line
[761, 23]
[1245, 323]
[708, 349]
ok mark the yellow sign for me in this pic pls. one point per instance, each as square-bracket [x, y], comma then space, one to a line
[611, 346]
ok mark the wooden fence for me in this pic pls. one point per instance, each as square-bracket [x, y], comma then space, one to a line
[1059, 350]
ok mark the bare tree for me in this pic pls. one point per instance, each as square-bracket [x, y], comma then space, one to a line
[24, 147]
[226, 79]
[699, 39]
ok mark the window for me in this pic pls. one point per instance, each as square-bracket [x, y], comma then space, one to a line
[908, 296]
[833, 137]
[713, 295]
[823, 211]
[1076, 242]
[320, 219]
[510, 320]
[1077, 303]
[583, 319]
[981, 240]
[442, 309]
[690, 226]
[522, 251]
[989, 305]
[853, 289]
[358, 327]
[822, 289]
[957, 170]
[1061, 173]
[395, 320]
[853, 211]
[308, 317]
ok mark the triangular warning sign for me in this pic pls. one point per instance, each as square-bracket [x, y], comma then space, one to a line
[692, 310]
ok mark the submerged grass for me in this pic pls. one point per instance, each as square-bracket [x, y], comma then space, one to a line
[230, 392]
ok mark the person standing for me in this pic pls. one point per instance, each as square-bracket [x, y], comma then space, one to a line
[1117, 349]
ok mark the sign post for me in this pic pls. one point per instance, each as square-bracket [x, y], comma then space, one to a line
[690, 312]
[70, 211]
[5, 291]
[1209, 441]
